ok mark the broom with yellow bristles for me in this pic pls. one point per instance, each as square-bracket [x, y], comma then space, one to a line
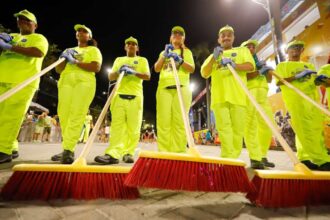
[274, 188]
[188, 171]
[76, 181]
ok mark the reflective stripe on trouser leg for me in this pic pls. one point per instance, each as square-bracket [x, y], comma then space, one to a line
[12, 113]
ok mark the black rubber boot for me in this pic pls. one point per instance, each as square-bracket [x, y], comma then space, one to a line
[257, 165]
[267, 163]
[106, 159]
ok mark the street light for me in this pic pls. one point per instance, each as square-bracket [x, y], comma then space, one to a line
[192, 87]
[265, 5]
[109, 70]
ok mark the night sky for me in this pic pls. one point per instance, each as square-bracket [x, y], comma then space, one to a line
[148, 21]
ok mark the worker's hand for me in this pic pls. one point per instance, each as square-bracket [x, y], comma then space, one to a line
[69, 54]
[304, 73]
[6, 37]
[217, 51]
[4, 45]
[264, 70]
[168, 49]
[127, 70]
[177, 58]
[225, 61]
[320, 79]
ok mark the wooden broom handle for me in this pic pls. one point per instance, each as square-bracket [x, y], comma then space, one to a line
[317, 105]
[99, 121]
[23, 84]
[271, 125]
[190, 139]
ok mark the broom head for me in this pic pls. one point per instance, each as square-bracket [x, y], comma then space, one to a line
[280, 189]
[45, 182]
[181, 171]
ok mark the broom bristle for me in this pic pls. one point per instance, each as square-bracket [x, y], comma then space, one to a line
[282, 193]
[42, 185]
[188, 175]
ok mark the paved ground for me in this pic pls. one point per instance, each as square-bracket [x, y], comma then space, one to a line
[153, 204]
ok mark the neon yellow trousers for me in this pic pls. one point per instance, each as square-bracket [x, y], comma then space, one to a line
[257, 135]
[307, 123]
[85, 133]
[230, 123]
[125, 126]
[170, 127]
[12, 112]
[75, 94]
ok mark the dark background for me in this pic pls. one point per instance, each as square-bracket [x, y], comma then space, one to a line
[148, 21]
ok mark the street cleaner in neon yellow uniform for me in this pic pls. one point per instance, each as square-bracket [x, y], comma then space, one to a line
[228, 100]
[257, 135]
[127, 105]
[306, 119]
[323, 79]
[88, 124]
[21, 56]
[170, 127]
[76, 89]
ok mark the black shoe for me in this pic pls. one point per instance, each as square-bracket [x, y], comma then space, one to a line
[257, 165]
[325, 166]
[106, 159]
[67, 157]
[5, 158]
[57, 157]
[14, 154]
[127, 158]
[267, 163]
[310, 165]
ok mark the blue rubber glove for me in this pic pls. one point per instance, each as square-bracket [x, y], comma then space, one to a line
[217, 51]
[320, 79]
[264, 70]
[177, 58]
[69, 54]
[168, 49]
[6, 37]
[127, 70]
[225, 61]
[304, 73]
[4, 45]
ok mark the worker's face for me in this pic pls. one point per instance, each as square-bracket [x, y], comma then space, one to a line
[226, 39]
[131, 48]
[252, 48]
[82, 35]
[295, 52]
[177, 37]
[25, 25]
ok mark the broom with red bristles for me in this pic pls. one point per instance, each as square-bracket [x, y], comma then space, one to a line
[274, 188]
[188, 171]
[76, 181]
